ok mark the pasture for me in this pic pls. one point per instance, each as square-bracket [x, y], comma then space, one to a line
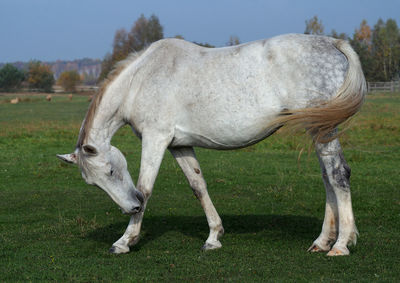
[54, 227]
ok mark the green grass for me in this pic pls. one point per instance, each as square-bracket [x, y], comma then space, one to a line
[54, 227]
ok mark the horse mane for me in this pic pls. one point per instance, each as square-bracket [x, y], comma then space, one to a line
[116, 71]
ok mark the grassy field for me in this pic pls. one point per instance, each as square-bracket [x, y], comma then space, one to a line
[54, 227]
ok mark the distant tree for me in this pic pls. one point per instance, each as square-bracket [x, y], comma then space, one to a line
[342, 35]
[393, 42]
[143, 32]
[154, 30]
[120, 46]
[314, 26]
[178, 36]
[106, 66]
[40, 76]
[233, 40]
[378, 49]
[362, 44]
[10, 77]
[386, 49]
[69, 80]
[364, 34]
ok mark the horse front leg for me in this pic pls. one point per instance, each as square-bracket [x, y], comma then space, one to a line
[130, 237]
[339, 224]
[153, 148]
[187, 160]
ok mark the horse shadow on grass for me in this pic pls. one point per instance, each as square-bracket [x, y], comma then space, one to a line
[283, 227]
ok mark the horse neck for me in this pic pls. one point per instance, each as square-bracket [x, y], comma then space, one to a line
[107, 119]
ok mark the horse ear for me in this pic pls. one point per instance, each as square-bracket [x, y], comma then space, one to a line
[69, 158]
[89, 149]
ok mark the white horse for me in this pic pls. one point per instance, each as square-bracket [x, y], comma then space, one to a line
[176, 95]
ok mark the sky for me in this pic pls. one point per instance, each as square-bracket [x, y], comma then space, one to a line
[49, 30]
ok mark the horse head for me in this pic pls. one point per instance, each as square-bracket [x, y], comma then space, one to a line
[108, 170]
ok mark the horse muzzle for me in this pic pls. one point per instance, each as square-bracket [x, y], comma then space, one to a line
[138, 204]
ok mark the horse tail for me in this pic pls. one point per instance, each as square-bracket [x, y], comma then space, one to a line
[321, 120]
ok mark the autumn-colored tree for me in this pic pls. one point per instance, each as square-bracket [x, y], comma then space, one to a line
[364, 34]
[314, 26]
[40, 76]
[10, 77]
[69, 80]
[362, 44]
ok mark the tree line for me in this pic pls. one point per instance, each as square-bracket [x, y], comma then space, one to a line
[378, 48]
[37, 76]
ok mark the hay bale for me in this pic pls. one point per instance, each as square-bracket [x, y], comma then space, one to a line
[15, 100]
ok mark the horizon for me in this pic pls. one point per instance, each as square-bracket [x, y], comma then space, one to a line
[85, 29]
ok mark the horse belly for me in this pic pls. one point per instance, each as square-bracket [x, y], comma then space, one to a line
[221, 132]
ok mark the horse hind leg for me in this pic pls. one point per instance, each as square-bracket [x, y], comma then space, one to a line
[186, 159]
[339, 224]
[330, 225]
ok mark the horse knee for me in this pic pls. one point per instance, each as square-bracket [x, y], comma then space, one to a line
[146, 192]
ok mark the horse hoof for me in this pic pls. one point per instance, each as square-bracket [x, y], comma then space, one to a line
[338, 252]
[315, 248]
[211, 246]
[118, 250]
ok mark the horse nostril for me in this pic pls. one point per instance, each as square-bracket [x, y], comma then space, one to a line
[136, 209]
